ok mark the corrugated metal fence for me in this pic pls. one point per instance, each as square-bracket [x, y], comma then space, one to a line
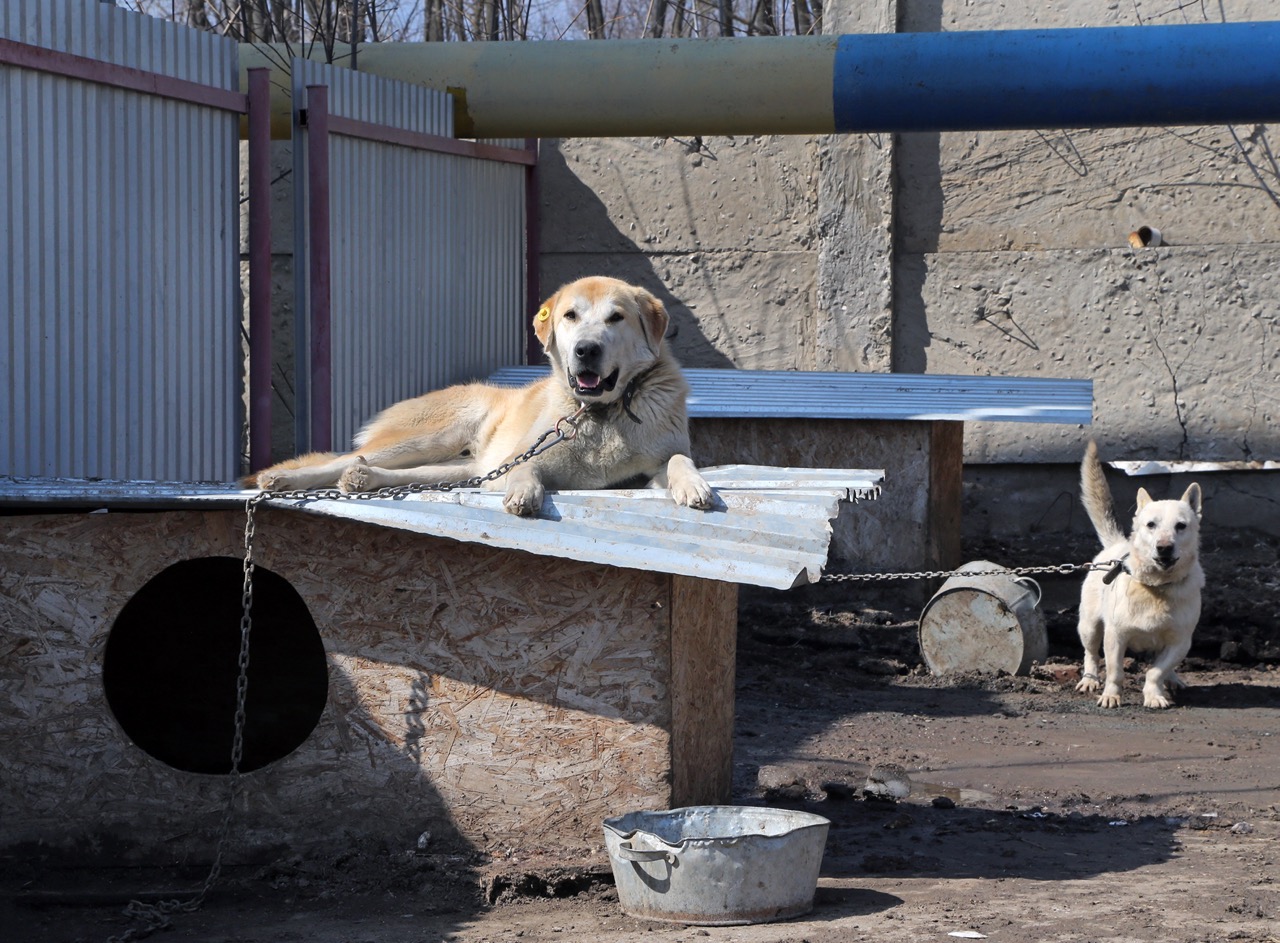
[426, 248]
[120, 300]
[119, 253]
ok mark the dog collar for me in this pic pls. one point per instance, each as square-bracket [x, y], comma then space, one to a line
[1120, 566]
[628, 394]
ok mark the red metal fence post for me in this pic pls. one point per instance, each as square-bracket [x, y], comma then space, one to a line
[318, 230]
[260, 360]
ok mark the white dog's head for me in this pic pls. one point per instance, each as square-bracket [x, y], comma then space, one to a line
[601, 332]
[1166, 533]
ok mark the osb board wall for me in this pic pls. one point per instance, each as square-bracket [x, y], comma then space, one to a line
[493, 698]
[913, 525]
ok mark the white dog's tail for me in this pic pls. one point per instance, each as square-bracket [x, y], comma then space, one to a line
[1097, 498]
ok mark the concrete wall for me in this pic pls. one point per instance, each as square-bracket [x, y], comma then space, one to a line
[971, 253]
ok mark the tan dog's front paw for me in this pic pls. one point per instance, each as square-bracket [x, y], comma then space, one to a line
[523, 500]
[687, 487]
[357, 477]
[693, 494]
[1109, 700]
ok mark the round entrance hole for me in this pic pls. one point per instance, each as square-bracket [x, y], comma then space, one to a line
[172, 660]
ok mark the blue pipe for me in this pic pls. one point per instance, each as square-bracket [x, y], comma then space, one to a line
[1094, 77]
[1127, 76]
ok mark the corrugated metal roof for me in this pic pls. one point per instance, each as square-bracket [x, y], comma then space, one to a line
[793, 394]
[96, 493]
[770, 527]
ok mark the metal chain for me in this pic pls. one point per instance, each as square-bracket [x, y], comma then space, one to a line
[152, 917]
[565, 429]
[1061, 569]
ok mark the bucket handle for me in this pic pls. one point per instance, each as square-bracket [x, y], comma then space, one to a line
[627, 853]
[1025, 580]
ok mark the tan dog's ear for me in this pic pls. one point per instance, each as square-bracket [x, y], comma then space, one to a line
[542, 326]
[1192, 497]
[1143, 498]
[653, 315]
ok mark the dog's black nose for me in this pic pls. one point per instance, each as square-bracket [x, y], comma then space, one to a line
[1165, 554]
[587, 352]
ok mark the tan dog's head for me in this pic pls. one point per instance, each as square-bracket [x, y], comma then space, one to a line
[599, 333]
[1167, 533]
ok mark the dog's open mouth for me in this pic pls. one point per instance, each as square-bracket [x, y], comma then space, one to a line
[592, 384]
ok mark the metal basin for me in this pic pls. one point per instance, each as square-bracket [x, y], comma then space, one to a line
[716, 865]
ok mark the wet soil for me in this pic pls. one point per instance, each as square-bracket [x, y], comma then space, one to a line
[1032, 815]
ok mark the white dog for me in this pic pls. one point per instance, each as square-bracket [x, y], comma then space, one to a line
[1149, 601]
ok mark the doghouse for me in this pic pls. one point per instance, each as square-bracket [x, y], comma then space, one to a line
[502, 681]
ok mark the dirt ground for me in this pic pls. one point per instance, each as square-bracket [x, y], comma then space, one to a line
[1033, 814]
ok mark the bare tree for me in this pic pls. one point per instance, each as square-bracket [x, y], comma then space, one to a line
[368, 21]
[763, 22]
[595, 19]
[808, 16]
[654, 19]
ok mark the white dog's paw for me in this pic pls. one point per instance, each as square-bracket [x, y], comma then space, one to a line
[357, 477]
[693, 493]
[523, 498]
[1088, 683]
[1155, 699]
[1109, 700]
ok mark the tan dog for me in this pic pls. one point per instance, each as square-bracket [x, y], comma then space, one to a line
[1150, 601]
[604, 339]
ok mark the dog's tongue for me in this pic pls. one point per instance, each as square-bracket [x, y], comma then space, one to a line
[588, 381]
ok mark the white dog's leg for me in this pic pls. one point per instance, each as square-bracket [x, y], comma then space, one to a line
[687, 485]
[1155, 691]
[1113, 650]
[1090, 629]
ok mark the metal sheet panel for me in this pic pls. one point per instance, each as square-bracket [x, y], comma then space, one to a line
[770, 527]
[428, 250]
[119, 254]
[776, 537]
[788, 394]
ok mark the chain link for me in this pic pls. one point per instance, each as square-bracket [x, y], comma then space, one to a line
[1061, 569]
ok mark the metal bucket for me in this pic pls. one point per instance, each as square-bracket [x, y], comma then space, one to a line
[983, 623]
[716, 865]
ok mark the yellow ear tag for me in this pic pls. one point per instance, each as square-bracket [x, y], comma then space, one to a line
[543, 313]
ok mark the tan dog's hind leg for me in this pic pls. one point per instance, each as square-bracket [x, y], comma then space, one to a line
[303, 474]
[361, 476]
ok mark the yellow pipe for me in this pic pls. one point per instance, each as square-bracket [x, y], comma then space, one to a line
[615, 88]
